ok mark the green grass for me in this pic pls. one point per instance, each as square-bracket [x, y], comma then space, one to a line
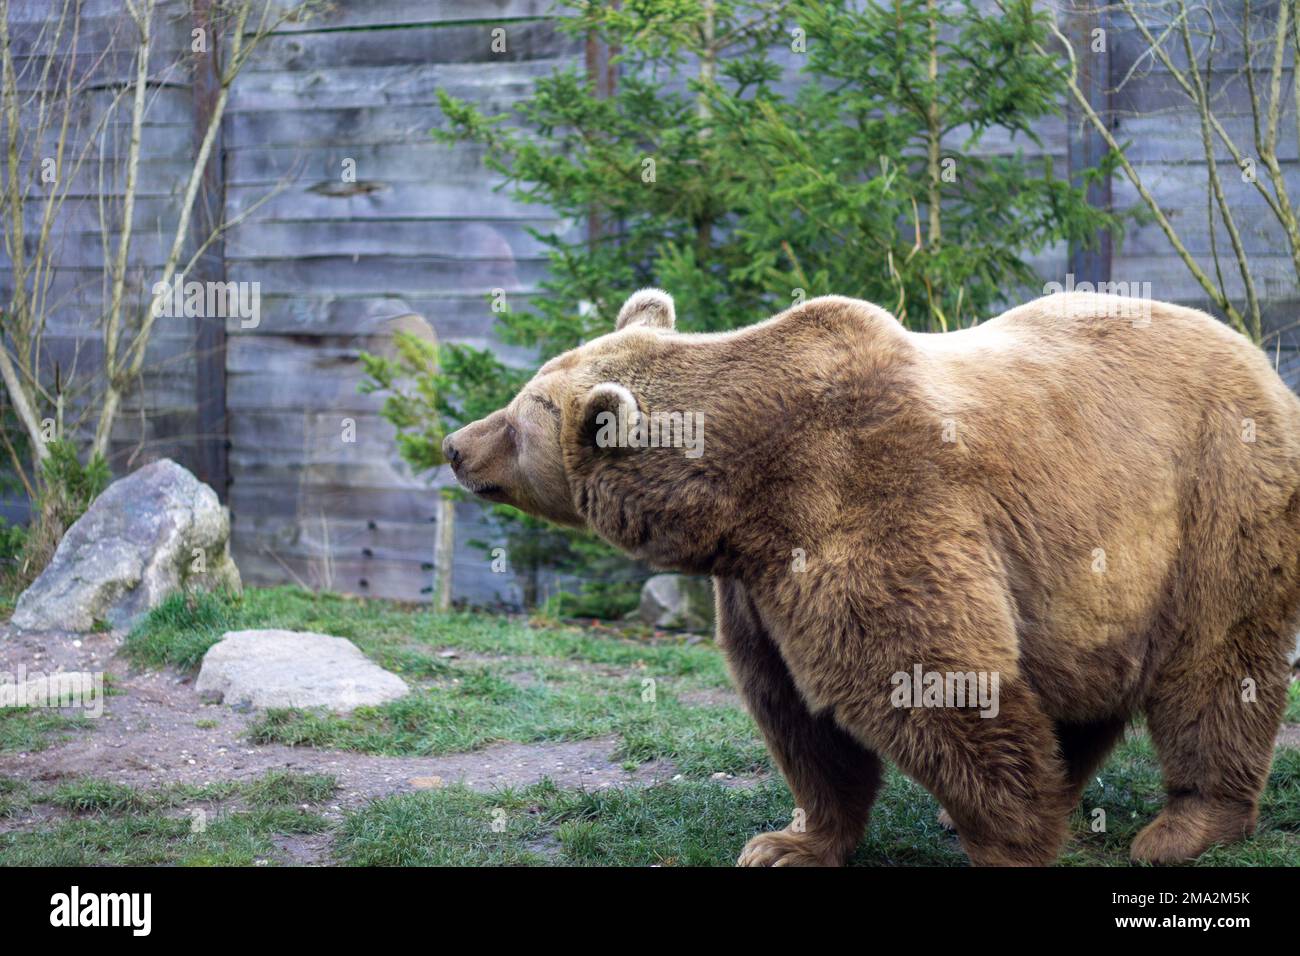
[511, 681]
[482, 708]
[694, 823]
[15, 797]
[30, 729]
[105, 823]
[679, 823]
[401, 637]
[1292, 713]
[688, 823]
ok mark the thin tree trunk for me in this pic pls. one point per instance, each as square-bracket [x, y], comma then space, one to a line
[133, 360]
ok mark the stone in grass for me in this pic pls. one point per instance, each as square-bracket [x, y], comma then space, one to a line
[264, 669]
[156, 531]
[677, 602]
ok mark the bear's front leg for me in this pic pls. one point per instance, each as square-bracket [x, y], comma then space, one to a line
[834, 778]
[1000, 778]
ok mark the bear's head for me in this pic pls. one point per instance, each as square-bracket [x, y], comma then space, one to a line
[697, 452]
[609, 436]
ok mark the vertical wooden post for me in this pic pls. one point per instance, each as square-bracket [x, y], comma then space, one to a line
[1086, 147]
[211, 453]
[444, 553]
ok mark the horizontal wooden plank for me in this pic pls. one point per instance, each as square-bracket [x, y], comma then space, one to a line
[264, 559]
[276, 493]
[84, 250]
[82, 318]
[268, 371]
[462, 240]
[400, 13]
[1051, 131]
[315, 532]
[1128, 48]
[404, 123]
[169, 102]
[1165, 277]
[361, 474]
[74, 290]
[1159, 91]
[163, 348]
[454, 318]
[113, 70]
[329, 56]
[293, 315]
[1165, 138]
[382, 88]
[471, 198]
[80, 213]
[1182, 192]
[400, 275]
[394, 162]
[261, 564]
[1193, 230]
[309, 438]
[421, 161]
[38, 11]
[33, 35]
[156, 177]
[157, 141]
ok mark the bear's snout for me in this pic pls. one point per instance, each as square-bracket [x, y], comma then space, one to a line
[450, 452]
[480, 457]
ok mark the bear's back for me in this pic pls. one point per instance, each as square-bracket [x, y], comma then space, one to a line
[1090, 432]
[1133, 352]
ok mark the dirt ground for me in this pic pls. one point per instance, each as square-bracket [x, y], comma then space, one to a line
[155, 731]
[150, 735]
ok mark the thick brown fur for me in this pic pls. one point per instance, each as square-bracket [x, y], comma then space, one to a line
[1097, 499]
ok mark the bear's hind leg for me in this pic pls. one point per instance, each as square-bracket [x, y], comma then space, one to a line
[834, 778]
[1215, 739]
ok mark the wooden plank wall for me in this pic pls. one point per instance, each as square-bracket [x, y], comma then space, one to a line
[158, 419]
[421, 237]
[1151, 113]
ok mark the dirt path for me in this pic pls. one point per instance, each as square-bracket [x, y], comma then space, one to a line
[155, 731]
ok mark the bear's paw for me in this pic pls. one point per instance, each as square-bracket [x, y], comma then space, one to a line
[786, 848]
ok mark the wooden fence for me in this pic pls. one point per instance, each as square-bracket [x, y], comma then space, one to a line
[358, 224]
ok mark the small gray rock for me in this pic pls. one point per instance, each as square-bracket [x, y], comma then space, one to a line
[156, 531]
[272, 668]
[677, 602]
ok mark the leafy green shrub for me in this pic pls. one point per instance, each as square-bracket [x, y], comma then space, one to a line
[704, 177]
[607, 600]
[13, 539]
[67, 489]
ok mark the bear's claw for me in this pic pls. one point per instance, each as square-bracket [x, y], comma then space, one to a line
[784, 848]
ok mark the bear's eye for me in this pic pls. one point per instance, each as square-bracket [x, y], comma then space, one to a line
[511, 433]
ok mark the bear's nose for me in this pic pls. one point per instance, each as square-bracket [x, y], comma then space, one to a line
[451, 453]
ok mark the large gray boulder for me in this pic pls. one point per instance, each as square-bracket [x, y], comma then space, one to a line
[157, 531]
[293, 669]
[677, 602]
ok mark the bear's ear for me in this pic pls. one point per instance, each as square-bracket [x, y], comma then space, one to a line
[652, 307]
[609, 412]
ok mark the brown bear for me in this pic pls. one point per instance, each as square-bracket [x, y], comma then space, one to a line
[1085, 509]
